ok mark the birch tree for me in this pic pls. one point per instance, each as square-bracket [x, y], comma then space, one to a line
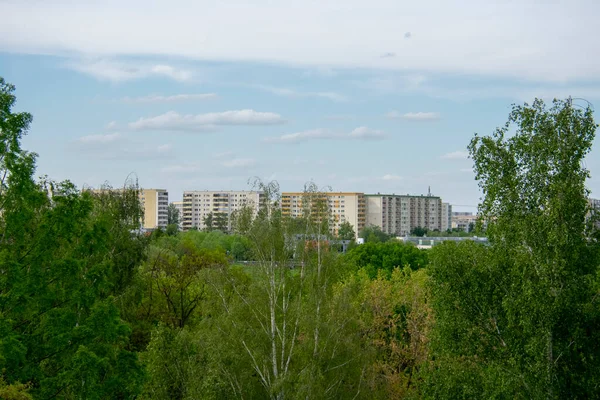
[522, 315]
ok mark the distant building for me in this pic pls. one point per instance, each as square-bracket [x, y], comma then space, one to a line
[156, 206]
[462, 220]
[197, 205]
[155, 203]
[399, 214]
[341, 206]
[446, 217]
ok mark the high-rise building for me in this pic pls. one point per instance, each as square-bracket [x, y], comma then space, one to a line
[201, 206]
[341, 206]
[446, 216]
[155, 203]
[400, 214]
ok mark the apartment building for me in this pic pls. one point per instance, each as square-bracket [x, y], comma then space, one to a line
[463, 220]
[155, 203]
[400, 214]
[446, 217]
[341, 207]
[198, 205]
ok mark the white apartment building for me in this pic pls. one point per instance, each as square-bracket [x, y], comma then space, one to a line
[446, 216]
[197, 205]
[341, 206]
[400, 214]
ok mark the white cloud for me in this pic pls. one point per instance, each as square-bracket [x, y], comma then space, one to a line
[223, 154]
[414, 116]
[239, 163]
[286, 92]
[391, 177]
[360, 133]
[303, 136]
[339, 117]
[100, 139]
[173, 121]
[169, 99]
[111, 125]
[164, 148]
[116, 71]
[115, 146]
[521, 40]
[182, 168]
[456, 155]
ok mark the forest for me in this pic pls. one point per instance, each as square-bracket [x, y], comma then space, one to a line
[91, 308]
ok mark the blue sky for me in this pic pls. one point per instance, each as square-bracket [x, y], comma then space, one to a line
[378, 96]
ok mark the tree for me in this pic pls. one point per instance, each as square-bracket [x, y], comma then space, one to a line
[220, 222]
[172, 215]
[378, 258]
[418, 231]
[288, 338]
[346, 231]
[62, 256]
[374, 234]
[521, 318]
[209, 221]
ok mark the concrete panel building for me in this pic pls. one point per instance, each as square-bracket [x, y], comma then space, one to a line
[446, 216]
[341, 207]
[463, 220]
[156, 204]
[197, 205]
[400, 214]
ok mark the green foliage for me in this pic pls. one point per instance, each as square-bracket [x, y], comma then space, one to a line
[15, 391]
[378, 258]
[63, 256]
[173, 217]
[374, 234]
[393, 319]
[346, 231]
[178, 363]
[418, 231]
[520, 319]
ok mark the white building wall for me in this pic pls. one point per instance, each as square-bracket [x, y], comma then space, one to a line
[197, 205]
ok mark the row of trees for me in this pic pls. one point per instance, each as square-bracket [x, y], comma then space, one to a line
[91, 309]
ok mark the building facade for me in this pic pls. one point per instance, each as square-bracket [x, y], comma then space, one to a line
[446, 217]
[218, 206]
[463, 221]
[342, 207]
[400, 214]
[156, 205]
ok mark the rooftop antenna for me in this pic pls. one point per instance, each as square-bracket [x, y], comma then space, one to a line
[429, 191]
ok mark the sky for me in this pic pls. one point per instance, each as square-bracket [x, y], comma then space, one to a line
[379, 96]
